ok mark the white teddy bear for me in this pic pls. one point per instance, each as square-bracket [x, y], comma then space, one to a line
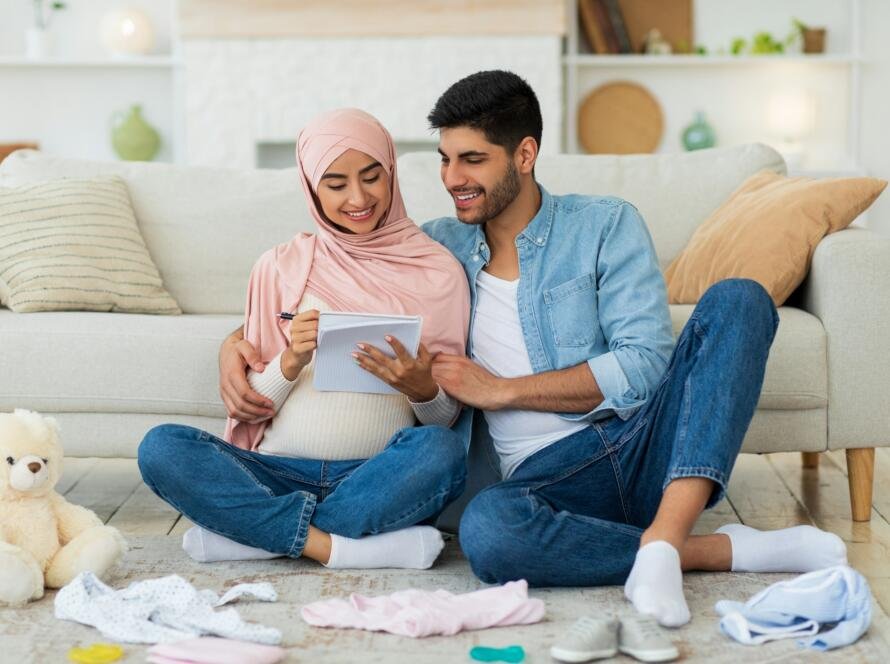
[44, 539]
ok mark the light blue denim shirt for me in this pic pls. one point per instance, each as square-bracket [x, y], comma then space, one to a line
[590, 290]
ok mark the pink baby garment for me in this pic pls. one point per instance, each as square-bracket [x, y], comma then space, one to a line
[418, 613]
[211, 650]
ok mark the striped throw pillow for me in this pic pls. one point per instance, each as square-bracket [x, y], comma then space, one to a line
[73, 244]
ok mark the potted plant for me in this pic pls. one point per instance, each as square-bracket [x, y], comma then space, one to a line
[813, 39]
[37, 43]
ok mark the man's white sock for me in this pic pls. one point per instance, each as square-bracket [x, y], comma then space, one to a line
[416, 547]
[207, 547]
[798, 549]
[655, 584]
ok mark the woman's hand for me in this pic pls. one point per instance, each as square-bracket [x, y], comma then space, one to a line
[303, 340]
[411, 376]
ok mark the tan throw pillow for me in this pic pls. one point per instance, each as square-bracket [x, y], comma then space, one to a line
[74, 244]
[767, 230]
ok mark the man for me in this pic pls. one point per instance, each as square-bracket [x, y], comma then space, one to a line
[610, 446]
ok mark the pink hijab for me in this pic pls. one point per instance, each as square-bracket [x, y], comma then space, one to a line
[394, 269]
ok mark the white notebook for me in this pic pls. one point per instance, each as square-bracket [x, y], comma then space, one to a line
[339, 332]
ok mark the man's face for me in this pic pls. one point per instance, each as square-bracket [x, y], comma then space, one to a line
[480, 176]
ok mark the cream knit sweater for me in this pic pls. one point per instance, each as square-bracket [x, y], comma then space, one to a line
[336, 425]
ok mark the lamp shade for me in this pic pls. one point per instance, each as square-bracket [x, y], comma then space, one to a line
[127, 32]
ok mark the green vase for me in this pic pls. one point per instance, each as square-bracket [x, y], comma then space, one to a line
[699, 134]
[132, 137]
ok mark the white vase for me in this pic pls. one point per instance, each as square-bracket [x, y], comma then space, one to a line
[37, 43]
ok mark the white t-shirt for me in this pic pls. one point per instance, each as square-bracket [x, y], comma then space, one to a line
[499, 347]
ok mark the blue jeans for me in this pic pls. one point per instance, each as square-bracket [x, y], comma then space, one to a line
[269, 501]
[572, 514]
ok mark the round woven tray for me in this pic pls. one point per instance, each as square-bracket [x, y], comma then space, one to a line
[620, 118]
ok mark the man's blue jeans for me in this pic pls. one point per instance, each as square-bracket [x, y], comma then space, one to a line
[269, 501]
[572, 514]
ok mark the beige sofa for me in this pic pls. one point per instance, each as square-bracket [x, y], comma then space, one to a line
[110, 377]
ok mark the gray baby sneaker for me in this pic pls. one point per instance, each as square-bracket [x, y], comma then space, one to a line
[586, 640]
[642, 638]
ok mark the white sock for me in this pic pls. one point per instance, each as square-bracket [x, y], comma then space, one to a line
[655, 584]
[207, 547]
[798, 549]
[410, 548]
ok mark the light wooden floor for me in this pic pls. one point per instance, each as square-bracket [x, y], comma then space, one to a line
[768, 491]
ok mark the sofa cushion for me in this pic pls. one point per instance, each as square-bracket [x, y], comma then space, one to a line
[674, 192]
[73, 245]
[797, 369]
[767, 231]
[204, 227]
[125, 363]
[151, 364]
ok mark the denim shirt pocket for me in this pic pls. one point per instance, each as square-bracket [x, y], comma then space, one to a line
[571, 308]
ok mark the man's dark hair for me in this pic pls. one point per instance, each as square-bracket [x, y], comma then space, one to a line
[499, 103]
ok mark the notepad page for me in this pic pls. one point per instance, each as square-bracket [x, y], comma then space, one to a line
[338, 335]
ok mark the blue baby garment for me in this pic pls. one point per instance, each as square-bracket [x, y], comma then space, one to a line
[825, 609]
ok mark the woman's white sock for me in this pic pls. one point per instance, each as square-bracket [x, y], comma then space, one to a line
[416, 547]
[798, 549]
[207, 547]
[655, 584]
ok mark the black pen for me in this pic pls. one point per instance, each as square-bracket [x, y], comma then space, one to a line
[285, 315]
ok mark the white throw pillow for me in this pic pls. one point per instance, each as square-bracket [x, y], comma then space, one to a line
[73, 244]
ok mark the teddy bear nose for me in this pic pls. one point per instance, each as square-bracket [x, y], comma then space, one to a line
[34, 467]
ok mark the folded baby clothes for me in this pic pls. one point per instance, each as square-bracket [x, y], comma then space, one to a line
[418, 613]
[211, 650]
[825, 609]
[161, 610]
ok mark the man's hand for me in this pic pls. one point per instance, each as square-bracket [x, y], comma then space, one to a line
[410, 376]
[241, 402]
[469, 383]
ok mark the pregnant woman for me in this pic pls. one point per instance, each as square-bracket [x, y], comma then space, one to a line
[342, 478]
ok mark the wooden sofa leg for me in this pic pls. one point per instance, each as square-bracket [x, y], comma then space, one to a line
[860, 475]
[810, 459]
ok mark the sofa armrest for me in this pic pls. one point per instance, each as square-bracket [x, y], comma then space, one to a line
[848, 289]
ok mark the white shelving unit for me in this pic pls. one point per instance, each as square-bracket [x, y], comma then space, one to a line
[588, 60]
[154, 61]
[578, 66]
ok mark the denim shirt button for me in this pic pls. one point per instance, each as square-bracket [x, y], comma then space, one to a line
[475, 257]
[540, 239]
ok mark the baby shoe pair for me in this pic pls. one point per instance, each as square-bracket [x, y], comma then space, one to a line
[638, 635]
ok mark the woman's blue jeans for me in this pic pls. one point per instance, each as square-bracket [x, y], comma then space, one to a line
[269, 501]
[572, 514]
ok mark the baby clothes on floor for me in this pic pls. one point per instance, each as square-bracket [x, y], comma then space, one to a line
[824, 609]
[419, 613]
[212, 650]
[161, 610]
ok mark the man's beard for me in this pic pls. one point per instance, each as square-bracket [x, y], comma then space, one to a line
[502, 194]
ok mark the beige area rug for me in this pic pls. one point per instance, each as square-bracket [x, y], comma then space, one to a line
[33, 635]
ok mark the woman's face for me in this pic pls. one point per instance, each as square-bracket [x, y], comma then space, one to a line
[354, 192]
